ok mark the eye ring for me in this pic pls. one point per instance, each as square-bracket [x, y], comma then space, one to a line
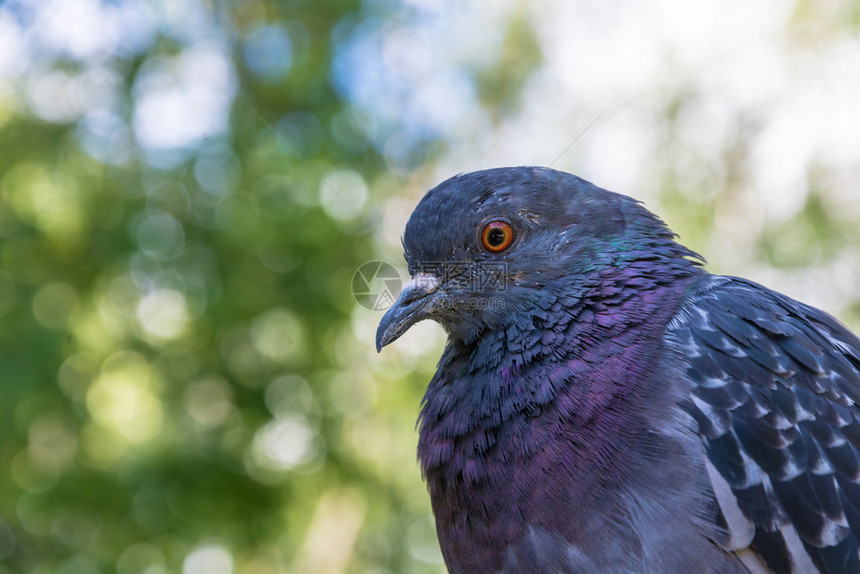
[497, 236]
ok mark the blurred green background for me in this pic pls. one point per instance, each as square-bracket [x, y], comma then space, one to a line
[188, 187]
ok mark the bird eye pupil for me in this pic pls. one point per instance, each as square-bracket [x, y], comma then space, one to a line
[496, 237]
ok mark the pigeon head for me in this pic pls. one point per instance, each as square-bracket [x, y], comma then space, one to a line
[494, 247]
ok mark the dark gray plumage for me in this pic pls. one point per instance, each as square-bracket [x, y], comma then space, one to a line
[605, 405]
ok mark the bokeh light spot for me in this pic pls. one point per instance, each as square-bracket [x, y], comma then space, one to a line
[279, 336]
[53, 304]
[105, 136]
[330, 541]
[217, 172]
[14, 55]
[343, 194]
[50, 201]
[75, 528]
[56, 95]
[422, 541]
[286, 443]
[125, 399]
[183, 100]
[141, 558]
[163, 314]
[268, 51]
[209, 401]
[211, 559]
[288, 395]
[51, 444]
[160, 235]
[75, 375]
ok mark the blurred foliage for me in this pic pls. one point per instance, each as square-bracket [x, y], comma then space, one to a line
[175, 325]
[186, 189]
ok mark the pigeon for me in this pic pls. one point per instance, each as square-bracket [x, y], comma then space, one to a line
[605, 405]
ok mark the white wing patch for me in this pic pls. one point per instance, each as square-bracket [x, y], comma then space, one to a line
[741, 529]
[799, 557]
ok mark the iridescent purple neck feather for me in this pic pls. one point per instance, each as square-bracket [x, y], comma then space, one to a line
[544, 386]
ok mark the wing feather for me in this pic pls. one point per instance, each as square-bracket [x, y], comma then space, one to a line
[775, 388]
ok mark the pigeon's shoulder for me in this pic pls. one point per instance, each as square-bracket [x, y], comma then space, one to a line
[774, 387]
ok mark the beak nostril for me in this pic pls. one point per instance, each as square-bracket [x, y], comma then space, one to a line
[421, 285]
[410, 296]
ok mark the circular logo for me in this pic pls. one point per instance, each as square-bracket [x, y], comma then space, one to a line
[376, 285]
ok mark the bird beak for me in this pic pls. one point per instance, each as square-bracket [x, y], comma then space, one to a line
[412, 306]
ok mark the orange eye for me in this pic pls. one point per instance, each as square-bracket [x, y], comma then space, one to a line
[497, 236]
